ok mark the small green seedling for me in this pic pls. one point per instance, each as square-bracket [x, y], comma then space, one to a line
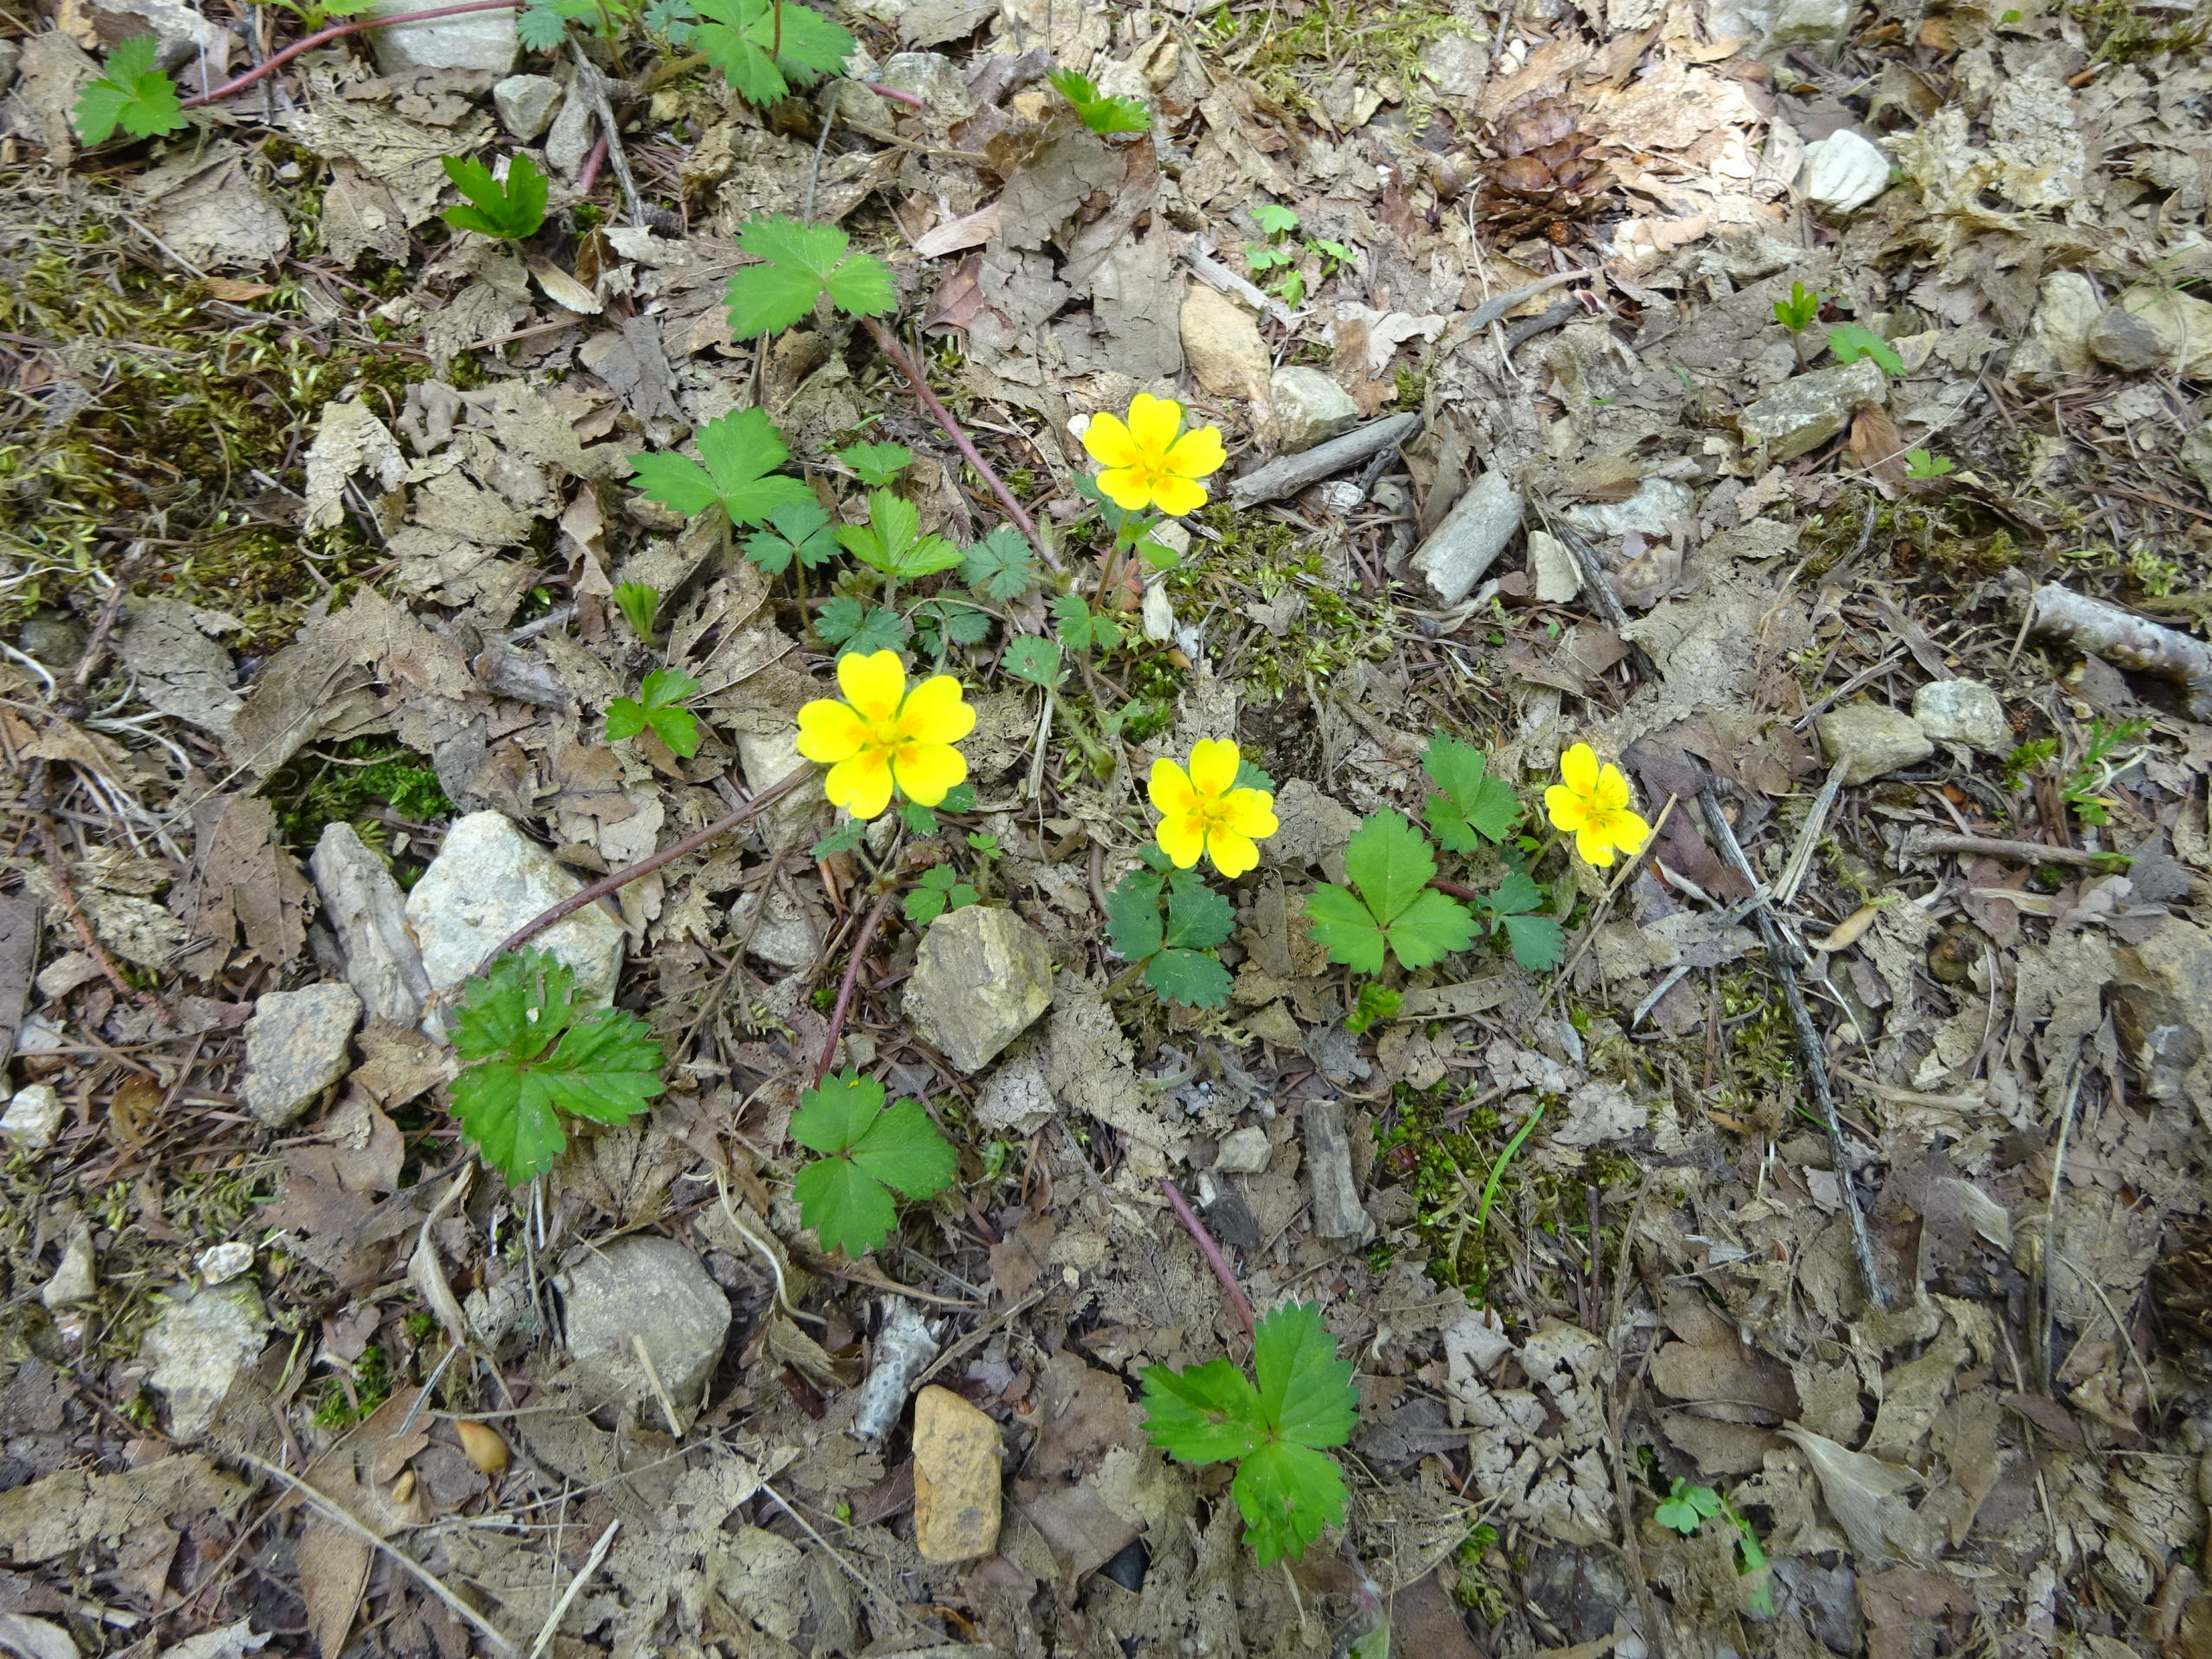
[765, 48]
[1475, 807]
[130, 93]
[1394, 910]
[1535, 941]
[1081, 629]
[1095, 110]
[801, 264]
[1031, 657]
[866, 1155]
[1276, 222]
[1375, 1003]
[939, 890]
[1277, 1432]
[2084, 788]
[741, 452]
[921, 822]
[877, 465]
[542, 25]
[1850, 341]
[508, 211]
[797, 530]
[1686, 1508]
[941, 624]
[1000, 567]
[660, 705]
[847, 624]
[313, 15]
[1920, 463]
[639, 603]
[1798, 312]
[1177, 954]
[892, 540]
[531, 1054]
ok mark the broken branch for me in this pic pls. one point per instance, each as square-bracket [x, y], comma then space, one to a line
[338, 31]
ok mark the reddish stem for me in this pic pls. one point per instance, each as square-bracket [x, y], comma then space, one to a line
[852, 978]
[902, 96]
[338, 31]
[942, 416]
[1211, 1251]
[589, 177]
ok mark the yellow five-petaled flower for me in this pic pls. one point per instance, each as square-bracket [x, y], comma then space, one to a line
[1146, 463]
[882, 736]
[1591, 804]
[1203, 810]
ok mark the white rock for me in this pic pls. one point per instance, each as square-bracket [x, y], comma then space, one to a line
[1559, 579]
[525, 103]
[74, 1281]
[1964, 711]
[1807, 410]
[933, 78]
[487, 880]
[367, 910]
[1222, 345]
[1458, 64]
[1797, 21]
[1651, 511]
[768, 757]
[570, 139]
[645, 1285]
[1017, 1098]
[2057, 346]
[1474, 533]
[298, 1045]
[198, 1348]
[479, 40]
[1309, 408]
[33, 1117]
[781, 936]
[981, 977]
[220, 1263]
[1243, 1151]
[1844, 172]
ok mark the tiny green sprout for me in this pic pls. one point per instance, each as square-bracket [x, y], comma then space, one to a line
[509, 211]
[1919, 463]
[639, 603]
[867, 1153]
[1375, 1003]
[1850, 341]
[877, 465]
[1094, 109]
[1686, 1508]
[130, 93]
[939, 891]
[1797, 313]
[659, 706]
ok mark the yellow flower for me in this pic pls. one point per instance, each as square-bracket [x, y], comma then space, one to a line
[1203, 810]
[1591, 804]
[1145, 464]
[884, 736]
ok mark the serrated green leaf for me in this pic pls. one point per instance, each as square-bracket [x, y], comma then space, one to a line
[877, 464]
[1850, 341]
[1082, 629]
[903, 1150]
[540, 28]
[843, 1197]
[1274, 219]
[836, 1112]
[1001, 567]
[1197, 917]
[1517, 891]
[800, 263]
[848, 1208]
[798, 529]
[1096, 111]
[1034, 659]
[740, 451]
[1195, 979]
[1306, 1392]
[130, 93]
[848, 839]
[1474, 804]
[920, 821]
[1288, 1495]
[738, 36]
[1134, 928]
[892, 540]
[1430, 929]
[509, 211]
[1206, 1414]
[1342, 926]
[1389, 861]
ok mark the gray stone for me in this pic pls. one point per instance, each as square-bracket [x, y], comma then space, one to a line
[298, 1045]
[1797, 22]
[74, 1281]
[199, 1346]
[1221, 344]
[367, 910]
[2181, 323]
[782, 935]
[525, 103]
[934, 79]
[768, 757]
[1243, 1151]
[10, 54]
[1309, 408]
[570, 139]
[2057, 346]
[1558, 577]
[487, 880]
[1459, 550]
[2125, 342]
[1458, 64]
[1964, 711]
[1844, 172]
[1651, 511]
[2162, 1005]
[1872, 741]
[1807, 411]
[645, 1285]
[33, 1117]
[478, 40]
[1339, 1217]
[980, 978]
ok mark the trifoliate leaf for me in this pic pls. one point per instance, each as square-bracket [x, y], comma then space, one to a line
[1095, 110]
[1288, 1494]
[1274, 219]
[939, 890]
[798, 529]
[1342, 926]
[1195, 979]
[741, 451]
[1430, 929]
[877, 464]
[530, 1054]
[847, 624]
[1082, 629]
[800, 263]
[1001, 567]
[864, 1150]
[1473, 802]
[892, 540]
[1390, 865]
[130, 93]
[659, 704]
[1850, 342]
[509, 210]
[764, 48]
[540, 28]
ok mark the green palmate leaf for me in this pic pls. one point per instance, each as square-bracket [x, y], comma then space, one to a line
[1305, 1390]
[1850, 342]
[939, 890]
[801, 264]
[763, 55]
[1193, 979]
[1197, 917]
[1206, 1414]
[1134, 931]
[1288, 1494]
[1345, 928]
[1390, 865]
[1095, 110]
[541, 28]
[660, 705]
[1274, 219]
[1036, 660]
[1001, 567]
[892, 540]
[1180, 963]
[866, 1153]
[798, 529]
[847, 1207]
[130, 93]
[530, 1054]
[741, 451]
[1474, 804]
[509, 211]
[849, 626]
[1516, 892]
[877, 464]
[1082, 629]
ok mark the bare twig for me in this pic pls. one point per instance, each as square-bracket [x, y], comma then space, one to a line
[1917, 845]
[852, 978]
[338, 31]
[1211, 1251]
[593, 85]
[583, 1577]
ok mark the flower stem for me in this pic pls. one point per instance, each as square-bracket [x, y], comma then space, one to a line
[852, 978]
[1211, 1251]
[336, 31]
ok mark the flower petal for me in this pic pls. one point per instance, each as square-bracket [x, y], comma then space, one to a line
[830, 731]
[1233, 854]
[1213, 766]
[1590, 841]
[1182, 836]
[1177, 497]
[1128, 488]
[1248, 812]
[861, 785]
[1198, 454]
[1152, 423]
[1612, 793]
[935, 714]
[1171, 790]
[1568, 811]
[1629, 832]
[1108, 443]
[927, 771]
[874, 684]
[1579, 770]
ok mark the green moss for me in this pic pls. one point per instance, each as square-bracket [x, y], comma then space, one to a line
[1296, 47]
[340, 785]
[341, 1407]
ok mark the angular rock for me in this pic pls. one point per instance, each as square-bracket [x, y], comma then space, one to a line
[2125, 342]
[298, 1045]
[1872, 741]
[1222, 345]
[1964, 711]
[768, 757]
[1799, 22]
[1309, 408]
[982, 976]
[367, 910]
[2162, 1007]
[1463, 547]
[569, 139]
[33, 1117]
[956, 1471]
[198, 1348]
[486, 881]
[525, 103]
[2181, 323]
[2057, 346]
[1339, 1217]
[1844, 172]
[1458, 65]
[1807, 410]
[645, 1285]
[780, 934]
[933, 78]
[1558, 578]
[480, 40]
[74, 1281]
[220, 1263]
[1243, 1151]
[1651, 511]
